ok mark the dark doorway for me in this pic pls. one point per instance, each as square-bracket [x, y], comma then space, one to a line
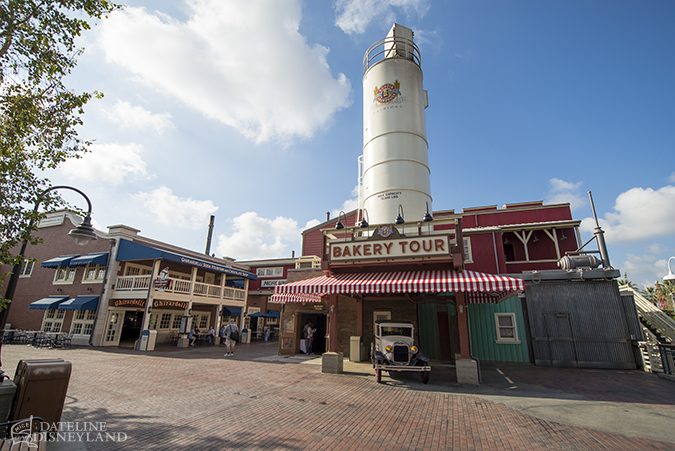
[131, 327]
[321, 326]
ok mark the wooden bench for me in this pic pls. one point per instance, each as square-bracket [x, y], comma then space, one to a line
[36, 441]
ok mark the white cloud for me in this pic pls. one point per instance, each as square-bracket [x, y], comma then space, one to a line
[169, 209]
[136, 117]
[349, 204]
[639, 214]
[107, 163]
[354, 16]
[644, 270]
[242, 63]
[260, 238]
[671, 179]
[563, 192]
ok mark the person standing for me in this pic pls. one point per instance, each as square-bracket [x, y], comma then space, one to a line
[231, 332]
[310, 338]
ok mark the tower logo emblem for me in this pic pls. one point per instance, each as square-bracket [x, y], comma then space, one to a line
[388, 93]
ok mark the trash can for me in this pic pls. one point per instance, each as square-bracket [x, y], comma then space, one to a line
[41, 387]
[148, 340]
[354, 349]
[7, 392]
[244, 337]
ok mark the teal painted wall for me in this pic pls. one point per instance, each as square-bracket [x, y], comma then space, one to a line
[428, 323]
[484, 335]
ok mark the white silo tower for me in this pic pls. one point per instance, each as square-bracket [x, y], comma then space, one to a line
[395, 149]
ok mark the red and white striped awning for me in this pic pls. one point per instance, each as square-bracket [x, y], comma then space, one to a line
[480, 287]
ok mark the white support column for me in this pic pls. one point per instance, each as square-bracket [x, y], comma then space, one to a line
[151, 294]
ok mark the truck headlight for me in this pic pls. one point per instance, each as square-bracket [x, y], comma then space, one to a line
[414, 349]
[388, 348]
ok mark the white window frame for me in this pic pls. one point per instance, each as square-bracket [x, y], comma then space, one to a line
[99, 273]
[277, 271]
[468, 255]
[176, 320]
[84, 321]
[53, 320]
[27, 268]
[137, 270]
[498, 328]
[165, 320]
[69, 274]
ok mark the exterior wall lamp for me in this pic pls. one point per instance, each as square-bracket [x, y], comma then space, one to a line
[339, 224]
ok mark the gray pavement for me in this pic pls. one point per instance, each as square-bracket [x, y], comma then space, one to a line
[196, 398]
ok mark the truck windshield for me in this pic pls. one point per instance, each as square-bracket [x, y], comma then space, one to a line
[400, 331]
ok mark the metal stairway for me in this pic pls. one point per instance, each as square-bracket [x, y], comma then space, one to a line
[663, 323]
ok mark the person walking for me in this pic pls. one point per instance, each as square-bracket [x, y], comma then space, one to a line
[231, 337]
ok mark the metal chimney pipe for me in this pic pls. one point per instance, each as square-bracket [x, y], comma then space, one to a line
[210, 234]
[600, 236]
[327, 216]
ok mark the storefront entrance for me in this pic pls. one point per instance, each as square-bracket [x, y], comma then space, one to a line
[131, 327]
[319, 322]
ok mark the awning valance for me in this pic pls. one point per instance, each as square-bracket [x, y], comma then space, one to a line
[63, 260]
[131, 251]
[480, 287]
[231, 311]
[282, 298]
[48, 303]
[93, 259]
[80, 303]
[270, 314]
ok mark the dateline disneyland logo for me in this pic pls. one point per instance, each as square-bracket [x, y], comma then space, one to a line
[32, 431]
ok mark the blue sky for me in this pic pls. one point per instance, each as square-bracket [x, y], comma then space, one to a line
[252, 111]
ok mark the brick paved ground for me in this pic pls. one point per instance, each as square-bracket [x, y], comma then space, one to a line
[198, 399]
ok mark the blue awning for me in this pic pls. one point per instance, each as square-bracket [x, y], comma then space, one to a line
[48, 303]
[63, 260]
[270, 314]
[130, 251]
[231, 311]
[93, 259]
[80, 303]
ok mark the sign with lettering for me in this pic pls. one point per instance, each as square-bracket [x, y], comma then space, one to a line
[271, 283]
[413, 247]
[128, 303]
[158, 303]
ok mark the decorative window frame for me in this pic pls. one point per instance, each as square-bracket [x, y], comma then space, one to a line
[53, 320]
[83, 322]
[98, 273]
[499, 328]
[68, 275]
[165, 321]
[468, 254]
[26, 268]
[275, 271]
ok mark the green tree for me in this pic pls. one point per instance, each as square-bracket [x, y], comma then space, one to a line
[39, 115]
[650, 294]
[625, 282]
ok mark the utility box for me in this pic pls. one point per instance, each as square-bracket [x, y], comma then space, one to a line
[148, 340]
[354, 349]
[41, 387]
[244, 336]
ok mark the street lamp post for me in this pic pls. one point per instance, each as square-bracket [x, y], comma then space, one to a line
[82, 234]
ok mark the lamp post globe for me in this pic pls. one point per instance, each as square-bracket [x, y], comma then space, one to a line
[670, 275]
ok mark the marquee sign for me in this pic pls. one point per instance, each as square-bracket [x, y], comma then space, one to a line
[401, 248]
[128, 303]
[157, 303]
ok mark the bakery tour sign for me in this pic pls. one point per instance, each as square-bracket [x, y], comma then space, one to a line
[393, 245]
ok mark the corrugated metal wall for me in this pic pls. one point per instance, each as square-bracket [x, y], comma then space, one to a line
[484, 333]
[581, 323]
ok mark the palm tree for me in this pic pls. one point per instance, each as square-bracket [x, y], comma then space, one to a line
[650, 294]
[626, 283]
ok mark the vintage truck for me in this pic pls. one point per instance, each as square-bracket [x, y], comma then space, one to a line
[394, 349]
